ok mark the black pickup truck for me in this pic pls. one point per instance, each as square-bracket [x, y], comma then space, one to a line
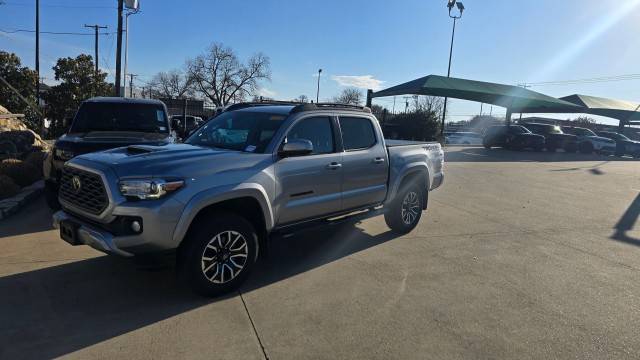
[103, 123]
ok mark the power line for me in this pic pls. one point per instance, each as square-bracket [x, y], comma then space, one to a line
[52, 32]
[60, 5]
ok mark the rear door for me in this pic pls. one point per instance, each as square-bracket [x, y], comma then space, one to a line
[310, 185]
[365, 163]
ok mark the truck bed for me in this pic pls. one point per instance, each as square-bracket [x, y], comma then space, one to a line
[394, 143]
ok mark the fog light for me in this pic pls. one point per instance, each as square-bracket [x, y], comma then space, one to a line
[135, 226]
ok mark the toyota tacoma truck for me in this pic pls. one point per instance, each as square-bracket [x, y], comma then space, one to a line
[256, 170]
[103, 123]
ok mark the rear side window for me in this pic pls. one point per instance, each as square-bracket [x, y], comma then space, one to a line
[357, 133]
[317, 130]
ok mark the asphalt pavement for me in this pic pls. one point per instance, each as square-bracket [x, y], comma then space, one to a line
[520, 255]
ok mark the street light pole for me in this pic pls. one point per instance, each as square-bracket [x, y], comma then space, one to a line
[318, 92]
[450, 5]
[126, 44]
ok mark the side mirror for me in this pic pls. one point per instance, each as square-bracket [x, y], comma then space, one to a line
[297, 147]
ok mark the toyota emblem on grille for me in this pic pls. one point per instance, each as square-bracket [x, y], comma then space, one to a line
[76, 183]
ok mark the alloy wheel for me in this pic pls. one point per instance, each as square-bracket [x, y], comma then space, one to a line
[224, 257]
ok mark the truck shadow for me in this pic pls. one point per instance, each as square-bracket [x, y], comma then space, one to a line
[60, 309]
[627, 222]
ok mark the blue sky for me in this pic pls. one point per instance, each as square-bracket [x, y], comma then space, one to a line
[358, 42]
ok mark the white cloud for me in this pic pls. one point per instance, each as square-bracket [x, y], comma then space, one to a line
[359, 81]
[267, 93]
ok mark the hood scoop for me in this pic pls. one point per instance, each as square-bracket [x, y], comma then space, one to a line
[139, 149]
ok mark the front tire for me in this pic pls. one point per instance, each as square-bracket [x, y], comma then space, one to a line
[405, 211]
[219, 254]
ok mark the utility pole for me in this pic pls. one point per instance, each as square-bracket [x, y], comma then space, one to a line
[119, 49]
[38, 64]
[96, 28]
[318, 92]
[131, 76]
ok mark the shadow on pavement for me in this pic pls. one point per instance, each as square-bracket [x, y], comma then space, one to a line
[480, 154]
[33, 218]
[57, 310]
[626, 223]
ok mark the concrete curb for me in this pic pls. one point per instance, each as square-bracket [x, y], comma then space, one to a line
[11, 205]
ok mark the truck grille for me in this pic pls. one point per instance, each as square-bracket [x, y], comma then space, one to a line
[83, 190]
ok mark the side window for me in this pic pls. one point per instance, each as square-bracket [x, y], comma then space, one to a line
[357, 133]
[318, 131]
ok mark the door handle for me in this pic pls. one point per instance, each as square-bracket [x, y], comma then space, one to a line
[378, 160]
[334, 166]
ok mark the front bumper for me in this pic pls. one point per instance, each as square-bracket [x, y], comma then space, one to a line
[90, 235]
[437, 181]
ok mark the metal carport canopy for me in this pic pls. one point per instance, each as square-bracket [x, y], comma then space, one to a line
[625, 111]
[514, 98]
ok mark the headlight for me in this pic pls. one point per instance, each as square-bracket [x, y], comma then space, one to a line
[149, 188]
[63, 154]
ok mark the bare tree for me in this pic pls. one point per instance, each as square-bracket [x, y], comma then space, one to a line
[172, 84]
[219, 75]
[429, 104]
[349, 96]
[303, 99]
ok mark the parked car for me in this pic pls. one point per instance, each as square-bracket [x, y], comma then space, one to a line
[253, 171]
[184, 128]
[554, 138]
[589, 142]
[514, 137]
[105, 123]
[624, 145]
[463, 138]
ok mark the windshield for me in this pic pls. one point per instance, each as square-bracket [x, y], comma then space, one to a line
[518, 130]
[583, 132]
[120, 117]
[239, 130]
[554, 130]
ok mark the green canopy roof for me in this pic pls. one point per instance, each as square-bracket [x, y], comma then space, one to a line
[616, 109]
[517, 99]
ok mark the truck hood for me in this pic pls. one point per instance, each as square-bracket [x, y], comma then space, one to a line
[82, 143]
[173, 160]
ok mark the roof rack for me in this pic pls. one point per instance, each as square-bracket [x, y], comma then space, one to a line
[244, 105]
[320, 106]
[298, 107]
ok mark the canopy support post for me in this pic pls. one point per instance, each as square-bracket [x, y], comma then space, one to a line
[508, 117]
[621, 126]
[369, 97]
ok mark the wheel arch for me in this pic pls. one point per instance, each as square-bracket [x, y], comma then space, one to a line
[412, 172]
[250, 201]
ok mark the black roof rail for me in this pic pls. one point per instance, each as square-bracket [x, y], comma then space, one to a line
[319, 106]
[244, 105]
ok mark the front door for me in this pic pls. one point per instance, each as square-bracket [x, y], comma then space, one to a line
[310, 185]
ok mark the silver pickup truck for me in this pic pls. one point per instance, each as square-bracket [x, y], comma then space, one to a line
[255, 170]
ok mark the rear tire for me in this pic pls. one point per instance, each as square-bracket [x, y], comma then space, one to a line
[586, 148]
[219, 254]
[405, 211]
